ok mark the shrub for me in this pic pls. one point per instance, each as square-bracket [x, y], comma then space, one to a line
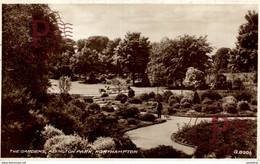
[79, 102]
[238, 84]
[177, 106]
[172, 102]
[178, 97]
[121, 97]
[164, 152]
[66, 142]
[151, 95]
[171, 111]
[243, 95]
[103, 143]
[186, 105]
[64, 84]
[147, 117]
[212, 95]
[135, 100]
[50, 131]
[93, 108]
[211, 108]
[132, 121]
[243, 105]
[254, 101]
[127, 111]
[166, 95]
[144, 97]
[185, 100]
[108, 108]
[104, 95]
[206, 101]
[196, 98]
[197, 107]
[230, 104]
[158, 98]
[88, 99]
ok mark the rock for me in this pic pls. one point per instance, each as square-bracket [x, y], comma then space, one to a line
[229, 104]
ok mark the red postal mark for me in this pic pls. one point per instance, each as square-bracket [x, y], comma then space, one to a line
[47, 34]
[235, 129]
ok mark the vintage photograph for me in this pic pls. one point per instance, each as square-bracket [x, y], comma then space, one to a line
[168, 81]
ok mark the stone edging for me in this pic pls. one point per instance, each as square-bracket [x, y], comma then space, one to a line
[177, 141]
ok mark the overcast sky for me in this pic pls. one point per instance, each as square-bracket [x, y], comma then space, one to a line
[219, 22]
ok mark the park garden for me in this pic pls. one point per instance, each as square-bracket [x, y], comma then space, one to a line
[183, 76]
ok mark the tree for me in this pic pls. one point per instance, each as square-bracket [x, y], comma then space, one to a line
[133, 53]
[24, 83]
[247, 43]
[194, 78]
[97, 43]
[221, 60]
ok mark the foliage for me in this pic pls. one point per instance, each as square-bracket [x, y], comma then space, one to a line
[229, 104]
[104, 95]
[166, 95]
[186, 100]
[194, 78]
[243, 105]
[97, 43]
[50, 131]
[64, 84]
[212, 95]
[243, 95]
[176, 97]
[121, 97]
[241, 134]
[238, 84]
[108, 108]
[132, 121]
[99, 125]
[158, 97]
[221, 60]
[186, 105]
[127, 111]
[79, 102]
[103, 143]
[132, 53]
[66, 142]
[171, 110]
[144, 97]
[134, 100]
[88, 99]
[151, 95]
[164, 152]
[172, 102]
[247, 43]
[147, 117]
[93, 108]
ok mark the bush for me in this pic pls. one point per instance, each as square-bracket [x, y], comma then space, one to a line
[254, 101]
[88, 99]
[186, 105]
[212, 95]
[50, 131]
[196, 98]
[147, 117]
[185, 100]
[66, 142]
[238, 84]
[243, 105]
[166, 95]
[108, 108]
[206, 101]
[171, 111]
[158, 98]
[135, 101]
[103, 143]
[172, 102]
[64, 84]
[79, 102]
[176, 106]
[127, 111]
[132, 121]
[93, 108]
[175, 96]
[230, 104]
[121, 97]
[197, 107]
[151, 95]
[104, 95]
[243, 95]
[164, 152]
[144, 97]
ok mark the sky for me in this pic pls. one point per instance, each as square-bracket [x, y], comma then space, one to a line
[156, 21]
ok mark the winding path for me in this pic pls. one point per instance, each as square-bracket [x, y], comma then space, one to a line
[160, 134]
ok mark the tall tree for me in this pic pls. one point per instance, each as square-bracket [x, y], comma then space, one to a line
[133, 53]
[97, 43]
[189, 51]
[221, 59]
[247, 43]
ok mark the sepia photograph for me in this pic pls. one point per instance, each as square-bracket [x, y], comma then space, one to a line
[132, 81]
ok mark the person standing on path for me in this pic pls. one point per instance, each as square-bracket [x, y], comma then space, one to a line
[159, 109]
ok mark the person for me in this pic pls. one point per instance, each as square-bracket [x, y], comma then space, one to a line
[159, 109]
